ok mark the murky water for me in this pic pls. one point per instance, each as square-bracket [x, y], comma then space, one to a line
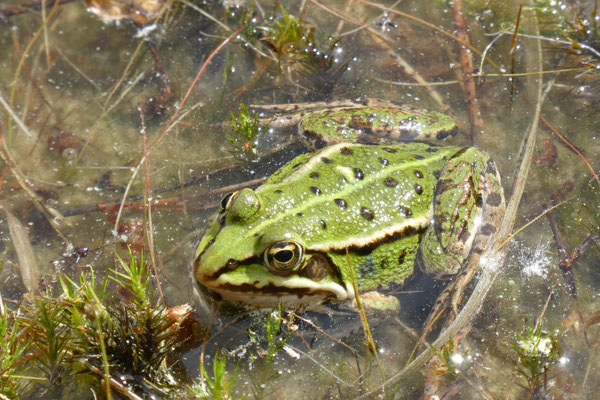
[82, 88]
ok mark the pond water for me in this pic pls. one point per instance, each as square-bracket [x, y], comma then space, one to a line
[89, 96]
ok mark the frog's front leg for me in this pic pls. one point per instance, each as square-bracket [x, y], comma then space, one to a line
[468, 203]
[377, 301]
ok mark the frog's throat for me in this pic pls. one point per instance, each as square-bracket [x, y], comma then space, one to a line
[290, 291]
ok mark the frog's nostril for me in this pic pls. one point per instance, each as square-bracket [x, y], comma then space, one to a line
[232, 264]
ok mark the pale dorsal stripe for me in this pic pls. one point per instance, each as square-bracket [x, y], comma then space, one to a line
[416, 222]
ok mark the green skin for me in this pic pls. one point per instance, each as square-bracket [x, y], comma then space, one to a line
[350, 211]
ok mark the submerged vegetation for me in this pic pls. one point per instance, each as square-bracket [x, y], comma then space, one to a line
[538, 353]
[55, 343]
[246, 127]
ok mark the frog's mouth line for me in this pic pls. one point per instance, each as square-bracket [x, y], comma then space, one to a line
[292, 290]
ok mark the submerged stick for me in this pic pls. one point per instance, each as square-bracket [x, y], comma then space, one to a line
[466, 61]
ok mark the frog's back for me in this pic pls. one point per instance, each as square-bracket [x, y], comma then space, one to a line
[349, 195]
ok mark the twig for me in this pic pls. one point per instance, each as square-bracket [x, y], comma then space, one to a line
[395, 83]
[512, 52]
[112, 383]
[555, 198]
[159, 67]
[567, 261]
[12, 11]
[572, 147]
[466, 61]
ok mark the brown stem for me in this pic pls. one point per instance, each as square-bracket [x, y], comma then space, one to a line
[466, 61]
[12, 11]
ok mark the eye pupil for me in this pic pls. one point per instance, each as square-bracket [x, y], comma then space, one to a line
[284, 256]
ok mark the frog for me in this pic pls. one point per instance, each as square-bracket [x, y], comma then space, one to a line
[380, 197]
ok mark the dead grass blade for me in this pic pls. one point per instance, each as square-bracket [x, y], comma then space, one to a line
[53, 216]
[28, 264]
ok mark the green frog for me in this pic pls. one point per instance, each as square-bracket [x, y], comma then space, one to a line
[371, 204]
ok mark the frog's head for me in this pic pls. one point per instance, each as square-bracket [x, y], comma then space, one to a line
[247, 257]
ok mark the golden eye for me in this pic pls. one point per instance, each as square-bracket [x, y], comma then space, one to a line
[226, 202]
[283, 257]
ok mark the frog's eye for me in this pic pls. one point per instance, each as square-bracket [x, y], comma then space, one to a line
[226, 202]
[283, 257]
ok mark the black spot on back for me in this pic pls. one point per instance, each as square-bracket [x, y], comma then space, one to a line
[390, 150]
[340, 202]
[401, 256]
[358, 174]
[367, 214]
[315, 190]
[347, 151]
[323, 224]
[326, 160]
[487, 229]
[443, 135]
[418, 174]
[383, 161]
[314, 175]
[390, 182]
[494, 199]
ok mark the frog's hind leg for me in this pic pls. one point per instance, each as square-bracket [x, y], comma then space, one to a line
[468, 205]
[457, 214]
